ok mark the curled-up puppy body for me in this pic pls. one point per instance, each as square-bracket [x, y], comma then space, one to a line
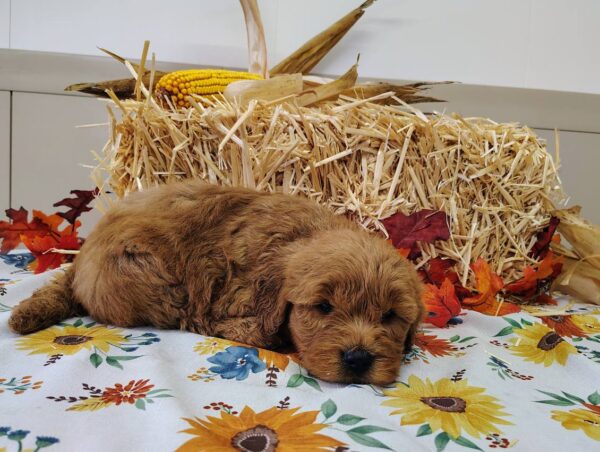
[264, 269]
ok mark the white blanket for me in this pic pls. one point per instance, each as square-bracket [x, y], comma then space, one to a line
[532, 383]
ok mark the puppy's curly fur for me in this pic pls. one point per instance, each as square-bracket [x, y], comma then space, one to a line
[252, 267]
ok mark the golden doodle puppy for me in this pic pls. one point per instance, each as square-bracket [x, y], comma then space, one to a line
[263, 269]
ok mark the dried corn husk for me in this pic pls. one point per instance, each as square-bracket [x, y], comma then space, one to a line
[313, 51]
[579, 279]
[279, 87]
[583, 236]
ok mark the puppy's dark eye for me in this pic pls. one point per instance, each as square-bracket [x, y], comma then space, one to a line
[388, 316]
[325, 307]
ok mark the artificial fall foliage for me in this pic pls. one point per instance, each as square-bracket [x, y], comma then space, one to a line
[444, 295]
[422, 226]
[488, 286]
[544, 238]
[537, 279]
[42, 235]
[441, 303]
[79, 204]
[440, 269]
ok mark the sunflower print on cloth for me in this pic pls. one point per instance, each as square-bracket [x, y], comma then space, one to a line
[269, 430]
[542, 345]
[586, 417]
[581, 325]
[69, 340]
[450, 406]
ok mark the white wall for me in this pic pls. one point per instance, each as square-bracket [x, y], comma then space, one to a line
[4, 23]
[544, 44]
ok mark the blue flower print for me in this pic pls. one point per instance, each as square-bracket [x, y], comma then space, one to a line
[237, 362]
[20, 260]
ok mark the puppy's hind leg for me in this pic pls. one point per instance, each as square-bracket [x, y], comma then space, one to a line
[47, 306]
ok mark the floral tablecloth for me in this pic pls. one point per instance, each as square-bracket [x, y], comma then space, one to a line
[521, 381]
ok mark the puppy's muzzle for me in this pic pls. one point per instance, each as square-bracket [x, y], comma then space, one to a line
[357, 360]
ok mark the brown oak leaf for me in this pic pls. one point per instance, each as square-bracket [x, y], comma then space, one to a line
[77, 205]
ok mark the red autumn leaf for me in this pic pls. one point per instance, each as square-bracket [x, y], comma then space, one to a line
[441, 303]
[536, 281]
[40, 247]
[78, 204]
[440, 269]
[422, 226]
[19, 226]
[488, 286]
[544, 237]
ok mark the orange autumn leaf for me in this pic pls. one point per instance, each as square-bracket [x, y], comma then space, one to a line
[404, 252]
[40, 247]
[441, 303]
[534, 280]
[19, 226]
[488, 286]
[53, 221]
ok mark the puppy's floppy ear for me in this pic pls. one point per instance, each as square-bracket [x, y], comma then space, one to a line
[271, 305]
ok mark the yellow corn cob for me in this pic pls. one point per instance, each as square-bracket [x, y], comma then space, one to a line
[204, 82]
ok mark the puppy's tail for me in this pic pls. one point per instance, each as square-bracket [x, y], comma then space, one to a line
[47, 306]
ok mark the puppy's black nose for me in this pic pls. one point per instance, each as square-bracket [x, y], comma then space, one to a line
[358, 360]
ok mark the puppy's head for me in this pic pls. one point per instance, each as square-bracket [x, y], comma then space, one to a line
[354, 306]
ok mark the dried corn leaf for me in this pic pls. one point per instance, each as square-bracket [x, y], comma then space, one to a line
[257, 45]
[313, 51]
[123, 88]
[329, 90]
[411, 93]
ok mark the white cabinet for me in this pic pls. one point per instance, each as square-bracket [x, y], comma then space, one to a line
[579, 168]
[48, 149]
[4, 151]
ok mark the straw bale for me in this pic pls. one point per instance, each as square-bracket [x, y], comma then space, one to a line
[360, 157]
